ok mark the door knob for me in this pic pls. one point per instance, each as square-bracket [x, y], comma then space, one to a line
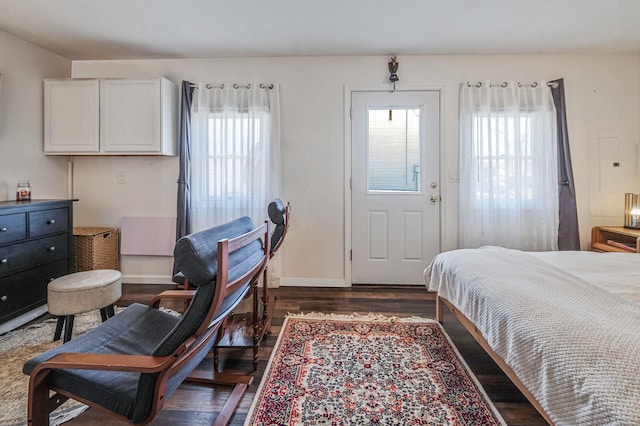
[435, 198]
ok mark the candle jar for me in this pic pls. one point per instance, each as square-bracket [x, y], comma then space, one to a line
[23, 191]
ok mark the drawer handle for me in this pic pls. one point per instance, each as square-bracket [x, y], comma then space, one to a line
[3, 261]
[52, 248]
[51, 221]
[3, 298]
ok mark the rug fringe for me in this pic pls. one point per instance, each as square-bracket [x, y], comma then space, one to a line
[371, 316]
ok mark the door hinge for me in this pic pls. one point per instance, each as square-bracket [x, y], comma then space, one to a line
[350, 255]
[350, 112]
[351, 183]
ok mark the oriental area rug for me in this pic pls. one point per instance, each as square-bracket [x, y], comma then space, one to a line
[360, 370]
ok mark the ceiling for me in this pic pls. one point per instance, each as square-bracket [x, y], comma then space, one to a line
[157, 29]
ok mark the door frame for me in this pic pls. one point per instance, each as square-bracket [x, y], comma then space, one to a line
[347, 91]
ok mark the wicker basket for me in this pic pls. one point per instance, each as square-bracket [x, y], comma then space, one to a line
[95, 248]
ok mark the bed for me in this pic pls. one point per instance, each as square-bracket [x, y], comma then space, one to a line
[564, 326]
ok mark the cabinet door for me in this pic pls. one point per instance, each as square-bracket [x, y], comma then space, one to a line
[71, 116]
[130, 115]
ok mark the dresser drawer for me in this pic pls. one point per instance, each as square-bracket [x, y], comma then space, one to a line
[48, 222]
[13, 227]
[28, 255]
[22, 292]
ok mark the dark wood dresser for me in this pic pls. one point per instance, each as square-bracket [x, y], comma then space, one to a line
[36, 246]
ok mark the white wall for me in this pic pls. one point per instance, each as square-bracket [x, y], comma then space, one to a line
[602, 92]
[23, 66]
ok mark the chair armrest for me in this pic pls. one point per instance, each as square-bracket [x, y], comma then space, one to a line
[171, 295]
[106, 362]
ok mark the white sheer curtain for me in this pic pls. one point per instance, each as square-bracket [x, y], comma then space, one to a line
[508, 166]
[235, 152]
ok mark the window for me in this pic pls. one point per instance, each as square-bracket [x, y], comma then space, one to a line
[508, 167]
[234, 153]
[506, 158]
[232, 141]
[394, 150]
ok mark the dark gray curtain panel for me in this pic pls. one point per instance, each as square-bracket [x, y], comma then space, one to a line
[183, 221]
[568, 232]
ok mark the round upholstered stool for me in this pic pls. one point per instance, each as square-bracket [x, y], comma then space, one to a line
[83, 292]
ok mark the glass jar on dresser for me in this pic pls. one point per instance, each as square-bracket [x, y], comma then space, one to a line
[36, 246]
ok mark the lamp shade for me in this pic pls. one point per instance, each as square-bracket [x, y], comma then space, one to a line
[632, 210]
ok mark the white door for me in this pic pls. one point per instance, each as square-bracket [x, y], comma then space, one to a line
[395, 188]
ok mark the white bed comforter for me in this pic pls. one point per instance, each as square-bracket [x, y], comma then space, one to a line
[574, 345]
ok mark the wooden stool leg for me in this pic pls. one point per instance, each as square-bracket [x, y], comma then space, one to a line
[59, 325]
[107, 312]
[216, 358]
[68, 328]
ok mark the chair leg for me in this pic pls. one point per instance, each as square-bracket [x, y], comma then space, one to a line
[230, 406]
[111, 311]
[59, 325]
[37, 413]
[240, 383]
[68, 327]
[41, 403]
[256, 327]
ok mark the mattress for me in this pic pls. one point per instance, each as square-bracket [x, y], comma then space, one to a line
[618, 273]
[567, 323]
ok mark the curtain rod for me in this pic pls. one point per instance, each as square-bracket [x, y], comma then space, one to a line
[504, 84]
[235, 85]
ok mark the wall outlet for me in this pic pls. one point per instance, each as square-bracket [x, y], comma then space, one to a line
[121, 178]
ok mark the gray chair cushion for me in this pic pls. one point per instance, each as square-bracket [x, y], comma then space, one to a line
[277, 214]
[277, 210]
[196, 257]
[196, 254]
[135, 331]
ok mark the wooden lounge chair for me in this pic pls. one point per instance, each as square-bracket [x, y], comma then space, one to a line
[129, 365]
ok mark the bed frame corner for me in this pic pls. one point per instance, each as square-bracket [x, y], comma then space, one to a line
[439, 309]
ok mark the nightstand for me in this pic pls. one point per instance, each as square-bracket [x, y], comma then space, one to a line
[615, 238]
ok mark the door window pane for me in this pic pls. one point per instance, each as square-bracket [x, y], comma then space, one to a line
[394, 150]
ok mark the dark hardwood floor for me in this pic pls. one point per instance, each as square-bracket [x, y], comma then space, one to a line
[195, 405]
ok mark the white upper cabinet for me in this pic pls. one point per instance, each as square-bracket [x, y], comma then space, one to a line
[72, 116]
[115, 117]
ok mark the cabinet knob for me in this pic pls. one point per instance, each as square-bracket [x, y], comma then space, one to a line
[3, 229]
[3, 261]
[51, 221]
[52, 248]
[3, 298]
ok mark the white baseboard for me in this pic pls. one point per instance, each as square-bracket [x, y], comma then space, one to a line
[313, 282]
[23, 319]
[147, 279]
[284, 281]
